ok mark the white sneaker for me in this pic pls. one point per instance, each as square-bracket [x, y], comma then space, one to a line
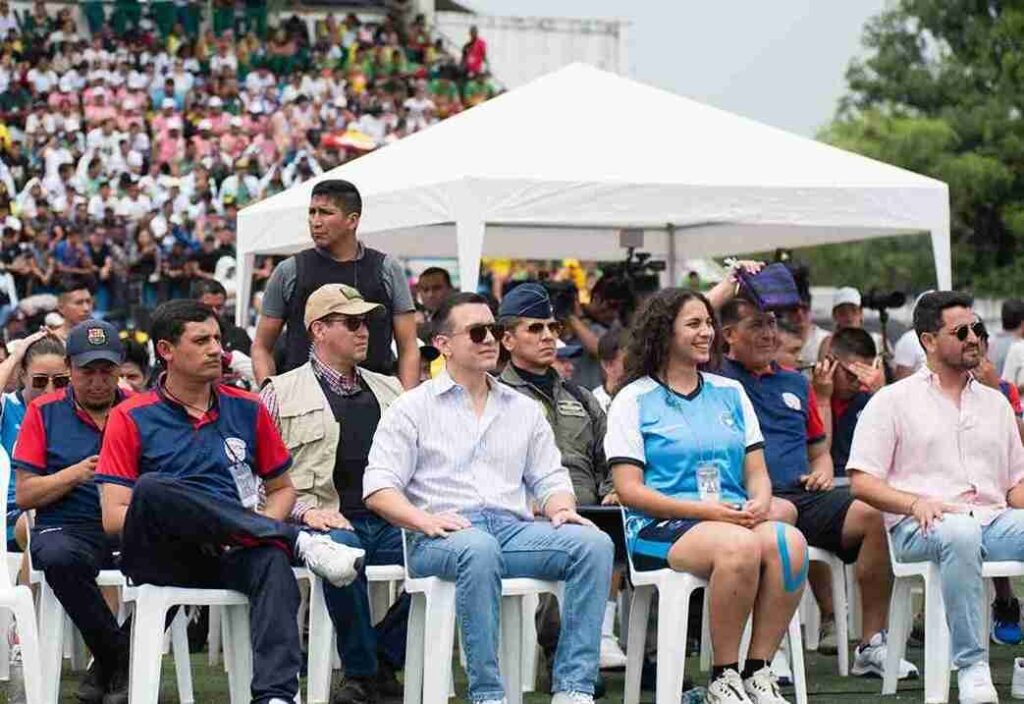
[727, 689]
[869, 660]
[975, 685]
[763, 688]
[780, 668]
[572, 698]
[612, 657]
[828, 642]
[1017, 689]
[338, 564]
[492, 701]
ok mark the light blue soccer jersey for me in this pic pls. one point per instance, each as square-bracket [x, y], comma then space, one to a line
[669, 436]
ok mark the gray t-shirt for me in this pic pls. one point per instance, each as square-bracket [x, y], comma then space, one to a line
[281, 286]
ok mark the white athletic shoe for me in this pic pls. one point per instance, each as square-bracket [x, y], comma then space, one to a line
[727, 689]
[869, 660]
[1017, 688]
[975, 684]
[763, 688]
[338, 564]
[612, 657]
[572, 698]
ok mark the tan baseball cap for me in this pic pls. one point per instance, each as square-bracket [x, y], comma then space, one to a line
[336, 298]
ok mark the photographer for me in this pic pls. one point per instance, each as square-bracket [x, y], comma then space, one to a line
[608, 299]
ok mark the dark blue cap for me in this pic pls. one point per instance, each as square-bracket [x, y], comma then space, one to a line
[528, 300]
[94, 340]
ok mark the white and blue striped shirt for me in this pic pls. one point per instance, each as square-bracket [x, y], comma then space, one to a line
[431, 446]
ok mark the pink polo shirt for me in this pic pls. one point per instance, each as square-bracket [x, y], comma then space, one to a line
[916, 439]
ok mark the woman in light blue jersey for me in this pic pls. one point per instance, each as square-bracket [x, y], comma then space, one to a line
[686, 454]
[40, 364]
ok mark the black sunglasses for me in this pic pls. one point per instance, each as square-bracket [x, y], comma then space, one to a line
[478, 333]
[352, 323]
[40, 381]
[554, 327]
[977, 328]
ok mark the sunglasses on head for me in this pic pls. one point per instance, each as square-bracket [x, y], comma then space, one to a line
[554, 327]
[478, 333]
[41, 381]
[978, 328]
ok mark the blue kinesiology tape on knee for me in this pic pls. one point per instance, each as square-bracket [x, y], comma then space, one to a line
[790, 582]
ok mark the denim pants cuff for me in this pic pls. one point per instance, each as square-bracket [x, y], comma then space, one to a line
[584, 687]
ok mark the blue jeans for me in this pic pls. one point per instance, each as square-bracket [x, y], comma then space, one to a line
[359, 642]
[499, 545]
[959, 544]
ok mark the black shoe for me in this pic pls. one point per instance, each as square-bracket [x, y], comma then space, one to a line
[388, 686]
[93, 687]
[117, 686]
[354, 690]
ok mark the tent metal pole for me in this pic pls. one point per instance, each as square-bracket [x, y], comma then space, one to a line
[673, 275]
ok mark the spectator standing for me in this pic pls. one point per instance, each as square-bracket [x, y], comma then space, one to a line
[847, 312]
[941, 455]
[338, 257]
[611, 352]
[1011, 332]
[55, 459]
[433, 287]
[479, 526]
[178, 470]
[341, 404]
[74, 306]
[474, 53]
[609, 299]
[212, 293]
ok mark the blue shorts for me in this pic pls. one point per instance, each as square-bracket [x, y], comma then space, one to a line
[651, 546]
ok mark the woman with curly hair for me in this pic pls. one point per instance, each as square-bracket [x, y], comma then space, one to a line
[686, 454]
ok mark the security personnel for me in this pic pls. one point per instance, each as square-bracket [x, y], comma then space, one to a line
[530, 338]
[55, 459]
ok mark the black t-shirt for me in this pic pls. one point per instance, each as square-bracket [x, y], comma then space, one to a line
[207, 261]
[98, 256]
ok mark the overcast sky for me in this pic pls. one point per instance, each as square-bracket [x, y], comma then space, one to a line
[780, 62]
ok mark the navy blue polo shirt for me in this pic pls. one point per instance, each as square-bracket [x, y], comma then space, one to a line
[154, 433]
[790, 421]
[844, 422]
[56, 434]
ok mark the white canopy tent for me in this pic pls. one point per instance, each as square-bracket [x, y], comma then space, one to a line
[557, 167]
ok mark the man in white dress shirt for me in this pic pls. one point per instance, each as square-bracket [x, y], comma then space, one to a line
[458, 460]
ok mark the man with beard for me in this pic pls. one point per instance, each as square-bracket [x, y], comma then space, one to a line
[55, 459]
[939, 453]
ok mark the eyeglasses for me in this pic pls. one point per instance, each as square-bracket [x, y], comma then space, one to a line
[961, 331]
[352, 323]
[554, 327]
[41, 381]
[478, 333]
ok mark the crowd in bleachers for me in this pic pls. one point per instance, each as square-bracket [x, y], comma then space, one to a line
[131, 137]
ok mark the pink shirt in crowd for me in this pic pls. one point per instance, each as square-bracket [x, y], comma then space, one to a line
[916, 439]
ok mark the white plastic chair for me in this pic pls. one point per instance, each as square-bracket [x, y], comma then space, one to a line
[937, 644]
[321, 628]
[674, 591]
[18, 600]
[432, 614]
[840, 604]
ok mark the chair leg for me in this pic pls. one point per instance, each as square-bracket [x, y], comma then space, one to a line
[841, 607]
[182, 661]
[440, 624]
[796, 653]
[213, 635]
[512, 628]
[51, 650]
[705, 633]
[853, 599]
[415, 644]
[32, 672]
[240, 672]
[936, 642]
[673, 612]
[811, 616]
[530, 650]
[639, 613]
[5, 645]
[321, 645]
[147, 642]
[899, 631]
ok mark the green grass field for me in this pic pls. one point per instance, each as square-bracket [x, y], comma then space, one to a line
[823, 684]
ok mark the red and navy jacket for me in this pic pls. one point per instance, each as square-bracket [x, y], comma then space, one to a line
[152, 432]
[56, 434]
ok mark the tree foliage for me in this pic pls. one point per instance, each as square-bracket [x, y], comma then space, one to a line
[940, 91]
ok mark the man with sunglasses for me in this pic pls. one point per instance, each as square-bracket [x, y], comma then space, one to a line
[531, 339]
[940, 454]
[802, 474]
[327, 411]
[55, 458]
[454, 462]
